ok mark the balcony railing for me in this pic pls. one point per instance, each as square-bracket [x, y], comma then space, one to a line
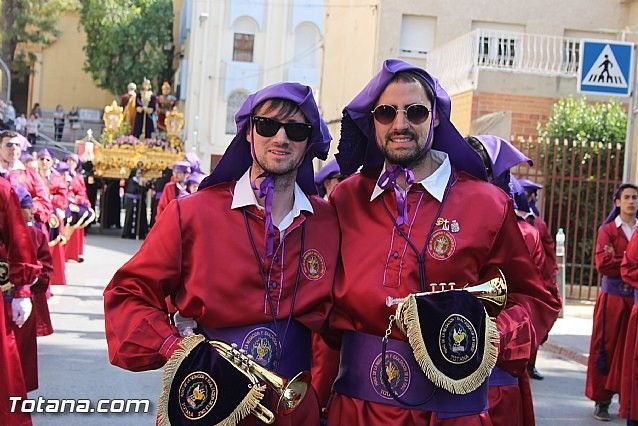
[458, 62]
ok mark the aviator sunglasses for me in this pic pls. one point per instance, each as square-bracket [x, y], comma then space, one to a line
[267, 127]
[386, 114]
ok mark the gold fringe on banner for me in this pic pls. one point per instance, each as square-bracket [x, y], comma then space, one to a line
[186, 346]
[247, 405]
[408, 318]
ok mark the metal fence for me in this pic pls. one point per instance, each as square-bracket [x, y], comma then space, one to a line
[579, 180]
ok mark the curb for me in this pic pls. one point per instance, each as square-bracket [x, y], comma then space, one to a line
[566, 353]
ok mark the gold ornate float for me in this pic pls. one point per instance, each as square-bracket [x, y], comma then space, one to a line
[117, 152]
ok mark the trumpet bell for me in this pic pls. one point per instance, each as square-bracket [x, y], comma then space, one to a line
[293, 393]
[493, 293]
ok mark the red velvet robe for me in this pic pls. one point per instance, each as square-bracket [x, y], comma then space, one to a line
[601, 387]
[168, 194]
[629, 378]
[59, 192]
[23, 270]
[74, 248]
[550, 267]
[199, 253]
[39, 322]
[31, 180]
[377, 262]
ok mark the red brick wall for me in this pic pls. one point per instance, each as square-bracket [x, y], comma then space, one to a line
[527, 111]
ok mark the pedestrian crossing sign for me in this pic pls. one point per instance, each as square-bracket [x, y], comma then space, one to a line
[606, 67]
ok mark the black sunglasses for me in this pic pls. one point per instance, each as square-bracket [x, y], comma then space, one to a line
[386, 114]
[267, 127]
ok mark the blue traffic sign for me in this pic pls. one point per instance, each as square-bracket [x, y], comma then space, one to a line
[606, 67]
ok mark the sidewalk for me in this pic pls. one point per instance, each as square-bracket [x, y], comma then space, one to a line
[571, 334]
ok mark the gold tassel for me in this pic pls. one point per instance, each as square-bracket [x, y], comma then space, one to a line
[185, 347]
[250, 401]
[408, 317]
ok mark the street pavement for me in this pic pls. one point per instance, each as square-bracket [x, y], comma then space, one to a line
[74, 361]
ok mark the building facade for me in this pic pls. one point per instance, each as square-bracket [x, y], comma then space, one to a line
[232, 48]
[504, 63]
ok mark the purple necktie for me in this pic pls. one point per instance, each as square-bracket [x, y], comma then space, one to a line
[389, 179]
[267, 190]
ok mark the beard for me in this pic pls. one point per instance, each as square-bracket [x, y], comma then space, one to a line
[404, 157]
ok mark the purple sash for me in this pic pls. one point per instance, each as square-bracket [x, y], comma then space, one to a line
[260, 341]
[615, 286]
[501, 377]
[635, 296]
[158, 195]
[133, 196]
[360, 377]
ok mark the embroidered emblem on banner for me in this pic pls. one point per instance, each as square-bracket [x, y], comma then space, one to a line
[4, 272]
[458, 340]
[442, 245]
[197, 395]
[398, 374]
[261, 343]
[313, 265]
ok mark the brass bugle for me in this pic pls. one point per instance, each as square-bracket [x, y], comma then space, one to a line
[493, 293]
[291, 392]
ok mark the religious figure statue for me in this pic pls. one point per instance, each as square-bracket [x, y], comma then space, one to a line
[165, 102]
[128, 103]
[145, 106]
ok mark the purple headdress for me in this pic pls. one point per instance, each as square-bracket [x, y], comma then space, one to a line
[358, 145]
[329, 170]
[77, 160]
[238, 156]
[23, 196]
[194, 161]
[530, 188]
[182, 166]
[503, 156]
[45, 152]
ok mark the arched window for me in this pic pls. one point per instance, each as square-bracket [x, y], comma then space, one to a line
[235, 101]
[307, 49]
[244, 29]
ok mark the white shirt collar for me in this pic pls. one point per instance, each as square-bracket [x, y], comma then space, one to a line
[436, 183]
[244, 196]
[18, 165]
[626, 228]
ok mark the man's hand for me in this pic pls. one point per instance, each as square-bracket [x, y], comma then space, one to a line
[609, 249]
[20, 310]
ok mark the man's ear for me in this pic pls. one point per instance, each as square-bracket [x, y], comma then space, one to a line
[249, 136]
[617, 202]
[436, 121]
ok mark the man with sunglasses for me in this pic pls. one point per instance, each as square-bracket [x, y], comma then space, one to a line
[248, 259]
[418, 217]
[18, 174]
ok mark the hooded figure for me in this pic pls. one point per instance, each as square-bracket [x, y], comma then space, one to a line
[358, 146]
[499, 156]
[328, 172]
[214, 271]
[238, 157]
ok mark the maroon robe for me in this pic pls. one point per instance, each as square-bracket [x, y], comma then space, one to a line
[486, 237]
[629, 377]
[199, 253]
[23, 270]
[615, 311]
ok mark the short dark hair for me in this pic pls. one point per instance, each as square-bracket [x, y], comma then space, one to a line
[622, 187]
[480, 148]
[412, 77]
[7, 134]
